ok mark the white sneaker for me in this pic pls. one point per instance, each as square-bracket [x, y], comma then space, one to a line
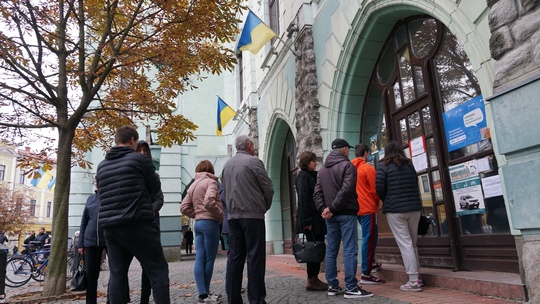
[411, 286]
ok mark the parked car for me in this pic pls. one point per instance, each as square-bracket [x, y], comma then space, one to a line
[468, 202]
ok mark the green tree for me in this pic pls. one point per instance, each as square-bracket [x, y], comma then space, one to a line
[85, 67]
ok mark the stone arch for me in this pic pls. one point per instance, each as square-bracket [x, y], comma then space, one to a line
[279, 234]
[369, 30]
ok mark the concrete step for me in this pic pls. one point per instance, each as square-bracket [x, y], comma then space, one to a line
[486, 283]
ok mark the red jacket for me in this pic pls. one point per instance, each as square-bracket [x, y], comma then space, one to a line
[368, 200]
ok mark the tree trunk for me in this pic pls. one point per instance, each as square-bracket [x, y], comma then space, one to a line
[55, 280]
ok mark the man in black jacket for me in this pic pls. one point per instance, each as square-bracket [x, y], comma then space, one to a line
[127, 182]
[335, 197]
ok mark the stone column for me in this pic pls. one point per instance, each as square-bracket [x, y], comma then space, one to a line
[308, 127]
[515, 45]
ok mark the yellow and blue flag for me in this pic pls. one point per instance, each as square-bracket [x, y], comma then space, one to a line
[224, 114]
[44, 180]
[255, 34]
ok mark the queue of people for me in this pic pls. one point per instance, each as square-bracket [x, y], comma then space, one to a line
[331, 202]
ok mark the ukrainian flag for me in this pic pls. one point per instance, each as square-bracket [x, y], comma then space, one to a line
[254, 35]
[224, 115]
[35, 181]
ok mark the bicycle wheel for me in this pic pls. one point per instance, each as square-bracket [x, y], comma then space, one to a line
[39, 272]
[18, 272]
[69, 267]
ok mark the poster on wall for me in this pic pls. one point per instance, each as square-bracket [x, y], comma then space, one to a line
[467, 188]
[465, 124]
[373, 144]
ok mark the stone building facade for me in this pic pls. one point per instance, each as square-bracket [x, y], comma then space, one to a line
[375, 70]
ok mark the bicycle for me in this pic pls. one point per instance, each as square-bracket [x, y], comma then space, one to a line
[20, 269]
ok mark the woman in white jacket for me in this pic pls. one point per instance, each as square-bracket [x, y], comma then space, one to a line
[203, 203]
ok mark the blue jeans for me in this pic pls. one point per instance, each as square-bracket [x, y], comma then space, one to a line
[338, 227]
[370, 235]
[206, 244]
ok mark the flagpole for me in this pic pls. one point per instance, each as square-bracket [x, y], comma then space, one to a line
[237, 114]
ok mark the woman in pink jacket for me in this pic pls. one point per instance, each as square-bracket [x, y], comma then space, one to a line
[203, 203]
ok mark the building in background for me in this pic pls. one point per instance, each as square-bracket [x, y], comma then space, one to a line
[175, 165]
[455, 82]
[39, 191]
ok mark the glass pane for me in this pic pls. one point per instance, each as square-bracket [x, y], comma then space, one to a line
[426, 115]
[419, 78]
[404, 133]
[406, 76]
[484, 145]
[472, 223]
[397, 95]
[401, 36]
[414, 125]
[442, 219]
[424, 185]
[384, 133]
[387, 65]
[497, 218]
[423, 35]
[455, 75]
[432, 152]
[437, 186]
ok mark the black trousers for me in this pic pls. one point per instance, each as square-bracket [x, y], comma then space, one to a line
[92, 261]
[146, 287]
[139, 240]
[246, 238]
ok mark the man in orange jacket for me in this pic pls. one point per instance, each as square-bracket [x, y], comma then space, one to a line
[368, 201]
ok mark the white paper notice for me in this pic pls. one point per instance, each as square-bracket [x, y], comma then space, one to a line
[420, 162]
[492, 186]
[483, 164]
[417, 146]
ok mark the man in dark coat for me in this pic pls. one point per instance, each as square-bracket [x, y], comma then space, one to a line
[157, 202]
[335, 197]
[127, 182]
[188, 236]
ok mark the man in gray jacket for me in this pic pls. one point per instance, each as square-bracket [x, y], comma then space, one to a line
[248, 194]
[335, 197]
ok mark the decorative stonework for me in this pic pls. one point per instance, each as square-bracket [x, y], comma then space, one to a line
[308, 127]
[514, 24]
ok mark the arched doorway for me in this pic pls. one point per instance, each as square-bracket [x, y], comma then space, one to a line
[421, 80]
[288, 194]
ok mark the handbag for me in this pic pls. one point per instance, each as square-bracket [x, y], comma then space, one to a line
[78, 282]
[423, 225]
[309, 252]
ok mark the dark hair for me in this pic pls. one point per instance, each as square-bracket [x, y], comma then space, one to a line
[124, 134]
[393, 153]
[360, 150]
[205, 166]
[305, 158]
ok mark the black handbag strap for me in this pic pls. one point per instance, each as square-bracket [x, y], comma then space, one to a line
[304, 236]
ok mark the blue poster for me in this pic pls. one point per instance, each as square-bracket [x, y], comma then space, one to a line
[463, 124]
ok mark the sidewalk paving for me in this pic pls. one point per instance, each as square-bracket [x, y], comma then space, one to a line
[285, 283]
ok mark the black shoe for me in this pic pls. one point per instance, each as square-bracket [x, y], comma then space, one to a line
[334, 291]
[357, 292]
